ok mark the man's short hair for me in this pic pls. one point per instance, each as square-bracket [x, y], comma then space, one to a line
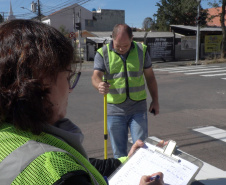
[122, 27]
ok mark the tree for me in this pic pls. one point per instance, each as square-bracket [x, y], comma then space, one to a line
[1, 19]
[221, 14]
[222, 19]
[148, 23]
[176, 12]
[63, 30]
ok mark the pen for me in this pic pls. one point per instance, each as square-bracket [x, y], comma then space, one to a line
[106, 179]
[156, 177]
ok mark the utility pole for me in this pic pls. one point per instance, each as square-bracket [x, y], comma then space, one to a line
[73, 39]
[77, 26]
[74, 20]
[79, 36]
[39, 11]
[34, 8]
[198, 33]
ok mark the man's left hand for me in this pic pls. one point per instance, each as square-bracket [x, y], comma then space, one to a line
[154, 108]
[135, 146]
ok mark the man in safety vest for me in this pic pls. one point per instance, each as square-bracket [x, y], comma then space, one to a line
[124, 64]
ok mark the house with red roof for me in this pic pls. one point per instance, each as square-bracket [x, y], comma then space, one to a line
[214, 16]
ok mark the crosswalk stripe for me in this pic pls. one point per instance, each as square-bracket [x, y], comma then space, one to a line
[213, 132]
[221, 74]
[182, 68]
[205, 69]
[203, 72]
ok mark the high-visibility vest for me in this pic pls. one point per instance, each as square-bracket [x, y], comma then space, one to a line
[126, 79]
[26, 158]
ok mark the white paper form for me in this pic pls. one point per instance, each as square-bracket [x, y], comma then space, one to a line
[147, 161]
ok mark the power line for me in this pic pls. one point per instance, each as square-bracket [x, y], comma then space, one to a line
[65, 5]
[46, 10]
[55, 8]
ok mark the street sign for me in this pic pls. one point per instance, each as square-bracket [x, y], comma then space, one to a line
[72, 35]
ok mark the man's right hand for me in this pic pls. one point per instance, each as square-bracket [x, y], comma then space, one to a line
[146, 179]
[103, 87]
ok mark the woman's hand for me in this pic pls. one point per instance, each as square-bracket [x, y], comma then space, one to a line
[146, 179]
[140, 143]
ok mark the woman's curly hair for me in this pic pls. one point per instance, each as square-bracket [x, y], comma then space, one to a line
[29, 52]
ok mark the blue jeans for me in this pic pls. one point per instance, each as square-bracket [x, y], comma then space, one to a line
[118, 131]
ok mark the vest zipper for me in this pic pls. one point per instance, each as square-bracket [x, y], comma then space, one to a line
[126, 75]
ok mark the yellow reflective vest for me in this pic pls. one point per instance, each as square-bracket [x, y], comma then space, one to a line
[26, 158]
[126, 78]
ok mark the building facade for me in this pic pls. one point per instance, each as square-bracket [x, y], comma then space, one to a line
[67, 17]
[100, 20]
[105, 20]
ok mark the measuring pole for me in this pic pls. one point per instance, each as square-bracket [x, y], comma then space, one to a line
[105, 125]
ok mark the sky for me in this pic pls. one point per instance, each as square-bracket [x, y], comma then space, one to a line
[135, 10]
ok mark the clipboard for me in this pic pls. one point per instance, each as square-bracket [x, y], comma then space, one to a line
[178, 168]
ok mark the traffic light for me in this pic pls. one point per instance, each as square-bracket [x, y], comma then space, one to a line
[198, 19]
[78, 26]
[201, 19]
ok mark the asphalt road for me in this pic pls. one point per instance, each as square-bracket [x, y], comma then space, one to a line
[186, 102]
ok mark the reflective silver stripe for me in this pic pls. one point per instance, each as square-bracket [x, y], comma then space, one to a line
[117, 91]
[20, 158]
[123, 90]
[122, 75]
[135, 73]
[116, 75]
[106, 59]
[140, 55]
[137, 89]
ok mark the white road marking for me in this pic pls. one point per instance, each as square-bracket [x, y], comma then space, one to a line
[183, 68]
[212, 131]
[205, 69]
[203, 72]
[221, 74]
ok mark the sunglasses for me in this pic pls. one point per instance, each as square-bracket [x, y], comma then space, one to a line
[73, 79]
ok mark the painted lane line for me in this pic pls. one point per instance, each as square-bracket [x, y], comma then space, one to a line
[214, 132]
[221, 74]
[184, 68]
[203, 72]
[187, 67]
[179, 68]
[194, 70]
[223, 78]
